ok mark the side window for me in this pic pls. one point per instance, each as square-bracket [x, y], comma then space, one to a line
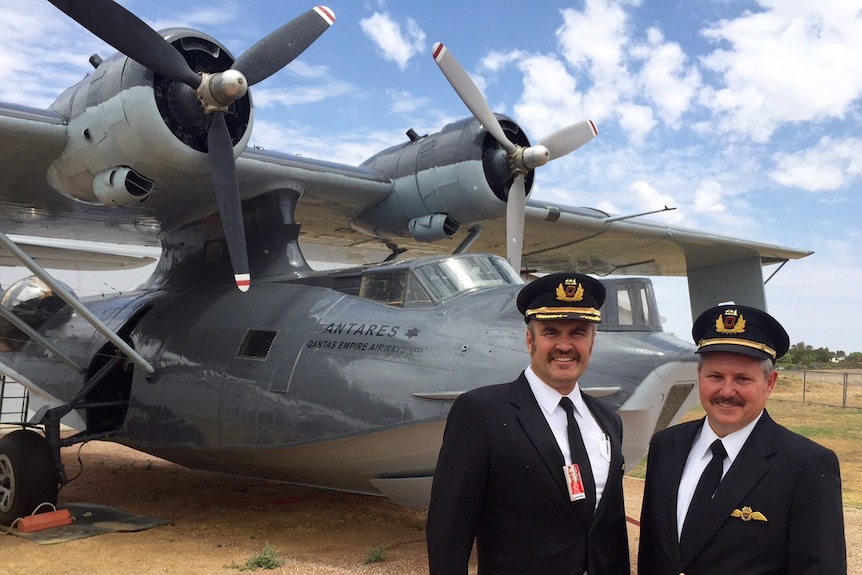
[624, 307]
[630, 306]
[256, 344]
[387, 288]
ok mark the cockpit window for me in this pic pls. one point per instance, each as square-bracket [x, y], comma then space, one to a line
[436, 281]
[447, 278]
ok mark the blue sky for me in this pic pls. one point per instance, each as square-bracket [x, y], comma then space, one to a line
[745, 116]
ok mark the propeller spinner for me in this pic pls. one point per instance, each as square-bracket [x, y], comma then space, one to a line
[214, 92]
[519, 159]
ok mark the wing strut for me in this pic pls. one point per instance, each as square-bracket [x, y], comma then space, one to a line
[76, 305]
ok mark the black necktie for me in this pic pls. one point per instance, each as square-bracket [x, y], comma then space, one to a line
[706, 486]
[578, 452]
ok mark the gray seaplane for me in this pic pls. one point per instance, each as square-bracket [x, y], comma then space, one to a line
[235, 355]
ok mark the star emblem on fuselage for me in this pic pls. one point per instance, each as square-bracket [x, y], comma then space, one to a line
[412, 332]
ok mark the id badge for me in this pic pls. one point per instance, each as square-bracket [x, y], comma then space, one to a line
[574, 483]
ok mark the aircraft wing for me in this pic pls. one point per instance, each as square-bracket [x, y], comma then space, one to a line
[561, 237]
[363, 213]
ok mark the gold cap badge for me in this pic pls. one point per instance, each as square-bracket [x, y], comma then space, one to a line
[570, 290]
[730, 321]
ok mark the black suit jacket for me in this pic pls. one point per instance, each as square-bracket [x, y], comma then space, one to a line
[792, 482]
[499, 479]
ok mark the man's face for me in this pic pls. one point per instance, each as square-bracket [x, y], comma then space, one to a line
[560, 351]
[733, 390]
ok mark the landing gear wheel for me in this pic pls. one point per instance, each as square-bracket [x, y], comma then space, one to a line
[28, 476]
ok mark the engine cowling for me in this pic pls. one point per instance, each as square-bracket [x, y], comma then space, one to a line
[457, 176]
[125, 117]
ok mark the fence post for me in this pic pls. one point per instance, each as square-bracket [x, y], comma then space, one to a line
[804, 383]
[844, 401]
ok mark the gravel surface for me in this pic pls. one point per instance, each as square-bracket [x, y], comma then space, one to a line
[216, 523]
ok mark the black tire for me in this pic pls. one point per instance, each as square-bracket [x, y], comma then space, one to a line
[28, 476]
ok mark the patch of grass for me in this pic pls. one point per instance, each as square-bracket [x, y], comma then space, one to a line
[375, 555]
[268, 558]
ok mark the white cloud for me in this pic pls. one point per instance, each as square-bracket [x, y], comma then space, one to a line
[708, 198]
[550, 99]
[790, 62]
[647, 198]
[631, 81]
[303, 70]
[668, 82]
[831, 165]
[636, 120]
[394, 44]
[350, 148]
[266, 97]
[593, 42]
[404, 102]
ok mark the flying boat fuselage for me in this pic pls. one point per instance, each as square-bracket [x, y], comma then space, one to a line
[339, 379]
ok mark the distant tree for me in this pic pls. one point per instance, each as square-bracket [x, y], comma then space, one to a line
[853, 360]
[806, 356]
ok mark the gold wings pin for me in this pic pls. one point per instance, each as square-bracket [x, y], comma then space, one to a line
[747, 514]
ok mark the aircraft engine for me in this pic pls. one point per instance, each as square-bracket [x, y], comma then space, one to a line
[124, 116]
[31, 301]
[458, 176]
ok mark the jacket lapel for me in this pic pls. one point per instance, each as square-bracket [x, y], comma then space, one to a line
[747, 470]
[671, 475]
[536, 427]
[617, 462]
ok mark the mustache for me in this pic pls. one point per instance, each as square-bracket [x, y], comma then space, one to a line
[734, 401]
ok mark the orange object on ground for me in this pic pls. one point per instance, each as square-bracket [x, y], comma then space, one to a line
[42, 521]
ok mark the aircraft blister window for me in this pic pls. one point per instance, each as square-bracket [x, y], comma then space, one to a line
[256, 344]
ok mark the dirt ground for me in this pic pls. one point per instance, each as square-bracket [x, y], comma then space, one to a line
[216, 523]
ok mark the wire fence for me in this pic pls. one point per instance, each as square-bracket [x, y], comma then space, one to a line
[823, 387]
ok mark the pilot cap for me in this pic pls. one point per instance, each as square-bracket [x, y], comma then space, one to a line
[562, 296]
[740, 329]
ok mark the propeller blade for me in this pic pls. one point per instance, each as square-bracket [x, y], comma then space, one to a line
[280, 47]
[516, 207]
[470, 94]
[226, 188]
[130, 35]
[569, 139]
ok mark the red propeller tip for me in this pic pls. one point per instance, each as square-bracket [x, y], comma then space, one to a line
[438, 50]
[325, 13]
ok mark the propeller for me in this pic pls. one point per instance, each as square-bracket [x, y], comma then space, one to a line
[519, 159]
[215, 92]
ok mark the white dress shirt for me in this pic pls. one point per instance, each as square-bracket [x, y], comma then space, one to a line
[699, 456]
[595, 440]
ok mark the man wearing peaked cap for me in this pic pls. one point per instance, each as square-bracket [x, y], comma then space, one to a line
[773, 505]
[532, 469]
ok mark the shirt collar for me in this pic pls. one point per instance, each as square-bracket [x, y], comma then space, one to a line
[732, 442]
[549, 398]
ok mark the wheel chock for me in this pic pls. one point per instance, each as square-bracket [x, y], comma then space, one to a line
[42, 521]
